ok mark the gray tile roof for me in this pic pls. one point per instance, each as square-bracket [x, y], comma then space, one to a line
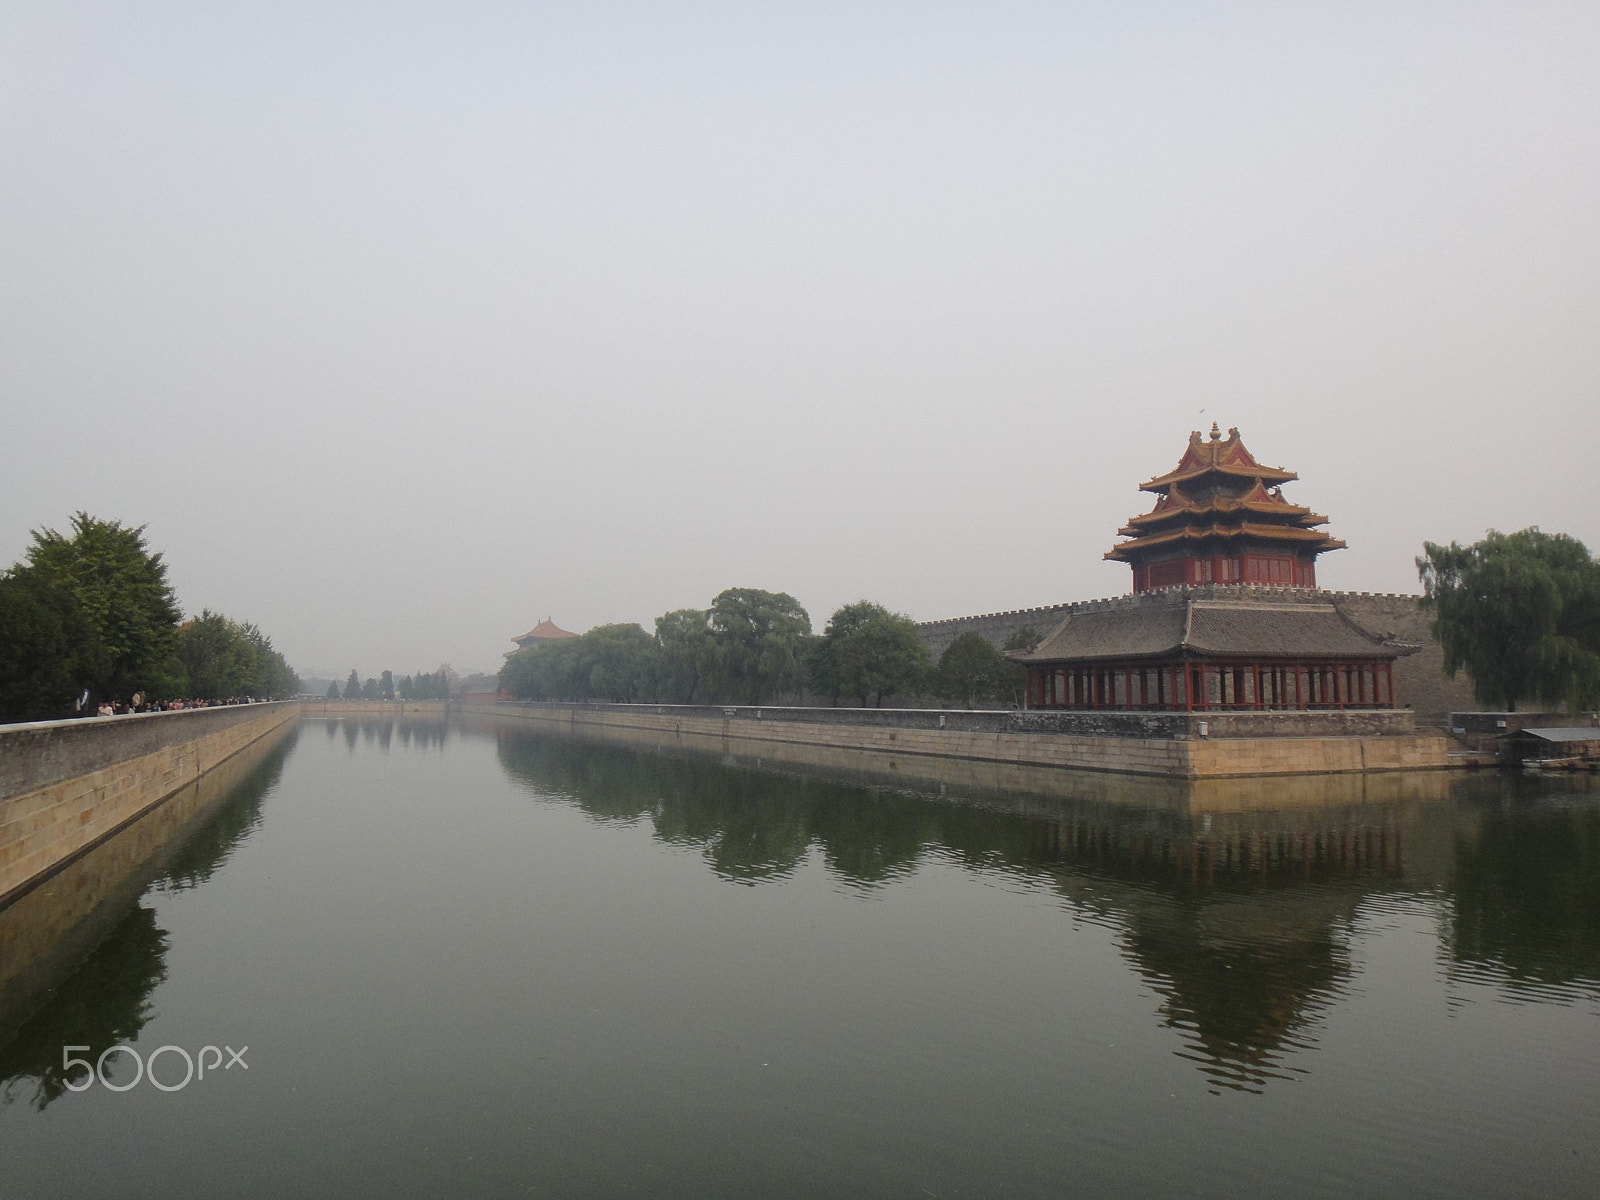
[1213, 628]
[1569, 733]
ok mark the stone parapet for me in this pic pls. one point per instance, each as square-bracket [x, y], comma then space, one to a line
[65, 785]
[1154, 744]
[374, 709]
[1354, 722]
[48, 930]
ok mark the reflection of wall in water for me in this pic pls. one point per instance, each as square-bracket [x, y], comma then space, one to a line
[82, 956]
[1275, 792]
[1235, 919]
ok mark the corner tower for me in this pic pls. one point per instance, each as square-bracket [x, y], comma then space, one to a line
[1220, 517]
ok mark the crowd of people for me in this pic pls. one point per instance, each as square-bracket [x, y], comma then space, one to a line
[141, 704]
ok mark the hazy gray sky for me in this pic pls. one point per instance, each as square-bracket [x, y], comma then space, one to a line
[403, 326]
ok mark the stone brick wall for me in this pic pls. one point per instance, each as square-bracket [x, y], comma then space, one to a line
[1351, 723]
[49, 929]
[374, 709]
[64, 785]
[1420, 681]
[1022, 739]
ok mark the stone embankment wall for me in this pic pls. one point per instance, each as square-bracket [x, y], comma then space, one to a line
[375, 709]
[1156, 744]
[65, 785]
[1420, 681]
[51, 928]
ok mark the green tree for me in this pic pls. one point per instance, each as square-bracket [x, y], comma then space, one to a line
[217, 657]
[761, 638]
[971, 669]
[556, 670]
[685, 654]
[620, 661]
[371, 691]
[352, 686]
[43, 637]
[386, 686]
[272, 678]
[1025, 638]
[333, 690]
[119, 590]
[866, 650]
[823, 666]
[1520, 613]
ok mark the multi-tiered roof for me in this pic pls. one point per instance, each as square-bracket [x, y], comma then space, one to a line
[1221, 517]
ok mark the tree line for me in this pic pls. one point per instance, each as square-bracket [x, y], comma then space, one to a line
[421, 686]
[756, 647]
[88, 617]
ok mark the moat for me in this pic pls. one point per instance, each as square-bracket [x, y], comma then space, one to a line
[473, 959]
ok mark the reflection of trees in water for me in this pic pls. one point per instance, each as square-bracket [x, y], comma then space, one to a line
[1526, 895]
[419, 735]
[106, 998]
[1236, 921]
[238, 814]
[380, 732]
[104, 1001]
[752, 825]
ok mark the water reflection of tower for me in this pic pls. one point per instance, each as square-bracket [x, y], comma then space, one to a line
[1236, 920]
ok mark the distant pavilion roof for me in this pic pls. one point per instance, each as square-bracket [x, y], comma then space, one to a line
[546, 630]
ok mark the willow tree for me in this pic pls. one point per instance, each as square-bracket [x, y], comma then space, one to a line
[1520, 613]
[685, 654]
[761, 639]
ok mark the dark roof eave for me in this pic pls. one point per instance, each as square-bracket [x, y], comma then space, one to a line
[1186, 653]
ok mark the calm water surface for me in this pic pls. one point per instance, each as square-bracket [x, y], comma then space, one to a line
[481, 962]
